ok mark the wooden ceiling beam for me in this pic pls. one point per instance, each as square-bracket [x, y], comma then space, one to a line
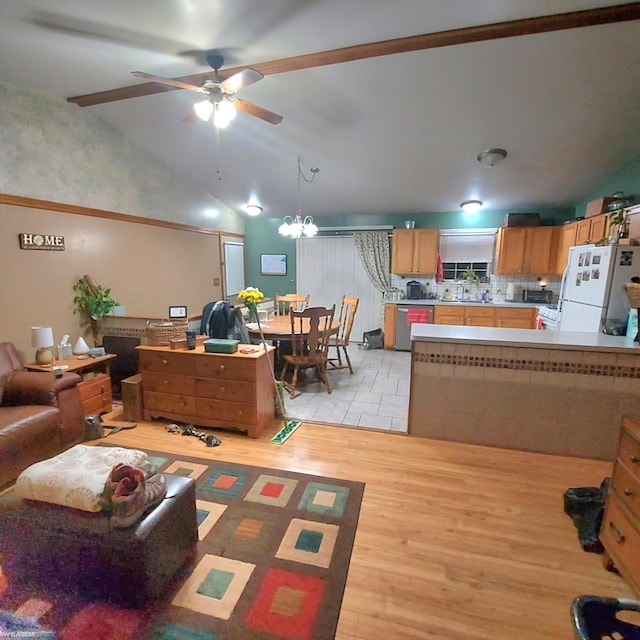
[467, 35]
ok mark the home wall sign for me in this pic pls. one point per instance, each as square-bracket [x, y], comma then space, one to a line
[41, 242]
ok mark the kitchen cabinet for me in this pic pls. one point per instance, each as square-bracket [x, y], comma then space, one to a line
[590, 230]
[516, 317]
[564, 238]
[453, 314]
[620, 530]
[414, 251]
[471, 315]
[208, 389]
[524, 250]
[479, 315]
[389, 325]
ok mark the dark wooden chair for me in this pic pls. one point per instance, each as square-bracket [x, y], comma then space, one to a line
[310, 333]
[348, 308]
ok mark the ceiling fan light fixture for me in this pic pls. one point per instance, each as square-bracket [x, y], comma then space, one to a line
[471, 206]
[491, 157]
[203, 109]
[227, 109]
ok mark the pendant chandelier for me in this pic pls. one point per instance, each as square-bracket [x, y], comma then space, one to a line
[300, 225]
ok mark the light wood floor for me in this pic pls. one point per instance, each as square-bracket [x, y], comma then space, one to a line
[454, 541]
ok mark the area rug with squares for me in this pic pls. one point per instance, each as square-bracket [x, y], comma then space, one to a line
[271, 563]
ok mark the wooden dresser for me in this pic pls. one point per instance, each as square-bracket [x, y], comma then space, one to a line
[233, 391]
[620, 532]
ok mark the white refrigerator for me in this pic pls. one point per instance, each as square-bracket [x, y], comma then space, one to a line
[592, 289]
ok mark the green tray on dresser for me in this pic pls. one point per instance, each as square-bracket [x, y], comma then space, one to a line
[220, 345]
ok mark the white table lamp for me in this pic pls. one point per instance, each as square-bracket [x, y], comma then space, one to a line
[42, 340]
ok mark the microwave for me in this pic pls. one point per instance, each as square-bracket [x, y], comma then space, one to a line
[542, 296]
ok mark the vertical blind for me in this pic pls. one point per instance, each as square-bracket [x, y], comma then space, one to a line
[328, 268]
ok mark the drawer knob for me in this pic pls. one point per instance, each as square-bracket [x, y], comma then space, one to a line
[616, 534]
[223, 389]
[628, 492]
[165, 382]
[634, 458]
[164, 362]
[221, 367]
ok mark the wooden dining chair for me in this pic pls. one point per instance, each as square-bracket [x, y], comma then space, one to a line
[348, 308]
[288, 301]
[310, 332]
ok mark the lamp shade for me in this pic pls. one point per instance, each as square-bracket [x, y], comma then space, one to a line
[41, 337]
[42, 341]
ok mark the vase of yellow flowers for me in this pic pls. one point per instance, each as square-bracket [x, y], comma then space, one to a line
[251, 297]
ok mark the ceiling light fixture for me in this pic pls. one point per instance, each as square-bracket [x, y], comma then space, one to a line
[471, 206]
[223, 110]
[300, 225]
[253, 209]
[491, 157]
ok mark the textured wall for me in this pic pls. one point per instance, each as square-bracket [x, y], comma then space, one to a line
[54, 150]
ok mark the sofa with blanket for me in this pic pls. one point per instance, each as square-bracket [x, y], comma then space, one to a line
[40, 415]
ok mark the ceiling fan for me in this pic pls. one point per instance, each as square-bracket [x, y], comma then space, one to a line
[220, 103]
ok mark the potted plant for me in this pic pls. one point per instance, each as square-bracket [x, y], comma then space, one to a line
[618, 220]
[93, 301]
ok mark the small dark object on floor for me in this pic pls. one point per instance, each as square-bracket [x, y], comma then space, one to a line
[209, 440]
[585, 506]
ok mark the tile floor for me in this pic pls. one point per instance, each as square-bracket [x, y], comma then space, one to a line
[376, 395]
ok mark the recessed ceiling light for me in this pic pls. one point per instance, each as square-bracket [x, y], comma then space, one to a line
[491, 157]
[253, 209]
[471, 206]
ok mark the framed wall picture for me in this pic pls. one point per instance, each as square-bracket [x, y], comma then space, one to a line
[177, 312]
[273, 264]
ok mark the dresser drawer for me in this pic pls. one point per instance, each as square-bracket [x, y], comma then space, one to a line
[97, 405]
[168, 383]
[93, 387]
[627, 487]
[238, 412]
[226, 367]
[621, 540]
[176, 363]
[170, 403]
[629, 452]
[233, 390]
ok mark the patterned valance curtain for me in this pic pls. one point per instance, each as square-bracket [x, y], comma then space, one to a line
[373, 249]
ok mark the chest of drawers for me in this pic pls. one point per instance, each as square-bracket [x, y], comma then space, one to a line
[233, 391]
[620, 532]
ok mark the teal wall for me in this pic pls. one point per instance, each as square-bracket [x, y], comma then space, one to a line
[627, 181]
[261, 236]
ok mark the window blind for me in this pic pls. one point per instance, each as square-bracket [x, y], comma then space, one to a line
[467, 245]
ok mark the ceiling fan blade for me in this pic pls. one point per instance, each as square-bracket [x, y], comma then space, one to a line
[241, 79]
[465, 35]
[259, 112]
[168, 81]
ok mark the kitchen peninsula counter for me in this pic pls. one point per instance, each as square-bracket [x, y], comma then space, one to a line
[426, 302]
[553, 392]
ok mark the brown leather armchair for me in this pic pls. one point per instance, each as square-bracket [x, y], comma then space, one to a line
[40, 415]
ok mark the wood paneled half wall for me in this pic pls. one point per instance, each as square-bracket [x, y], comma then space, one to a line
[149, 265]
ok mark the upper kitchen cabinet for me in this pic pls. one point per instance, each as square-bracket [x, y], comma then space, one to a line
[590, 230]
[564, 237]
[524, 251]
[414, 251]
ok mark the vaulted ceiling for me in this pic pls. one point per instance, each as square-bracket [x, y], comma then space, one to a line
[393, 127]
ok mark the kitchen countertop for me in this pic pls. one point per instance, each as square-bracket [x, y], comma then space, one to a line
[571, 340]
[426, 302]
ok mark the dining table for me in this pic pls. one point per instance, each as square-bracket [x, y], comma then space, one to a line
[277, 329]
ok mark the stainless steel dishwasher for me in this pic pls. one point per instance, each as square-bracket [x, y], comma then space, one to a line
[403, 328]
